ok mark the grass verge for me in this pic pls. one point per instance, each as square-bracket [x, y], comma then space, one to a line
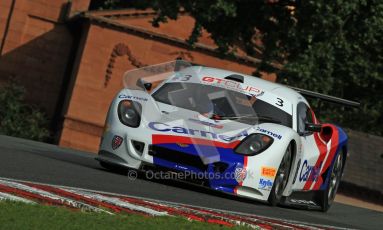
[16, 215]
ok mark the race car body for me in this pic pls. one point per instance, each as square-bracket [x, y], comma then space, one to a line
[233, 133]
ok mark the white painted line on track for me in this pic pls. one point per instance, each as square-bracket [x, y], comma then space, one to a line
[52, 196]
[6, 196]
[117, 202]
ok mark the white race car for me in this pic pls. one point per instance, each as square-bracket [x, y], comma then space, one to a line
[231, 132]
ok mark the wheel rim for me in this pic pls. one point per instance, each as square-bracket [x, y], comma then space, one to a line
[335, 178]
[283, 173]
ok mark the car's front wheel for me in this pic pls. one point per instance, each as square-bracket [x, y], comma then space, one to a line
[281, 178]
[328, 196]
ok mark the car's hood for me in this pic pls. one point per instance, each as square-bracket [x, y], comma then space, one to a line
[179, 121]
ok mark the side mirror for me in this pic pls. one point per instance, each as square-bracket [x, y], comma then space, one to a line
[311, 127]
[142, 84]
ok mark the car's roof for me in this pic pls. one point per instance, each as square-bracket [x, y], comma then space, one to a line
[275, 88]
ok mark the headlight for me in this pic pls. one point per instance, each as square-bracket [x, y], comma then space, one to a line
[254, 144]
[129, 113]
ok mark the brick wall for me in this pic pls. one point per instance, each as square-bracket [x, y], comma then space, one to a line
[365, 161]
[78, 6]
[36, 47]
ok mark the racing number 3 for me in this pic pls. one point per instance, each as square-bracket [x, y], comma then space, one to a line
[280, 102]
[186, 77]
[182, 78]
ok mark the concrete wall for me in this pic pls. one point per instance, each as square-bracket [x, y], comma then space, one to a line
[364, 166]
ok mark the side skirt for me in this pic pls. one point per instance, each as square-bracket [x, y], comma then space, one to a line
[303, 200]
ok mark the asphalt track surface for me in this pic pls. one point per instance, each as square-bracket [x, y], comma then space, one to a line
[38, 162]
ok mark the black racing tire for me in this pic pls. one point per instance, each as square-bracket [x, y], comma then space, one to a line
[282, 177]
[327, 197]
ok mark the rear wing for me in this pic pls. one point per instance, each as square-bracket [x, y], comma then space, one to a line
[323, 97]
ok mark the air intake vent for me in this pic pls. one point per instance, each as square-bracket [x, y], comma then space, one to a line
[138, 146]
[235, 77]
[177, 157]
[220, 167]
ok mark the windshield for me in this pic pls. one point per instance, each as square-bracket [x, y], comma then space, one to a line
[220, 103]
[182, 85]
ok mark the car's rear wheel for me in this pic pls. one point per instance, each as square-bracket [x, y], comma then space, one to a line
[328, 195]
[281, 178]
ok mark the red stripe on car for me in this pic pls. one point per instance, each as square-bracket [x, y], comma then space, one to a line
[170, 139]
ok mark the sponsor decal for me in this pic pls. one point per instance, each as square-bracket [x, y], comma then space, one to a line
[206, 123]
[162, 127]
[134, 98]
[182, 145]
[269, 133]
[240, 174]
[233, 85]
[269, 172]
[309, 173]
[116, 142]
[265, 184]
[307, 202]
[296, 171]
